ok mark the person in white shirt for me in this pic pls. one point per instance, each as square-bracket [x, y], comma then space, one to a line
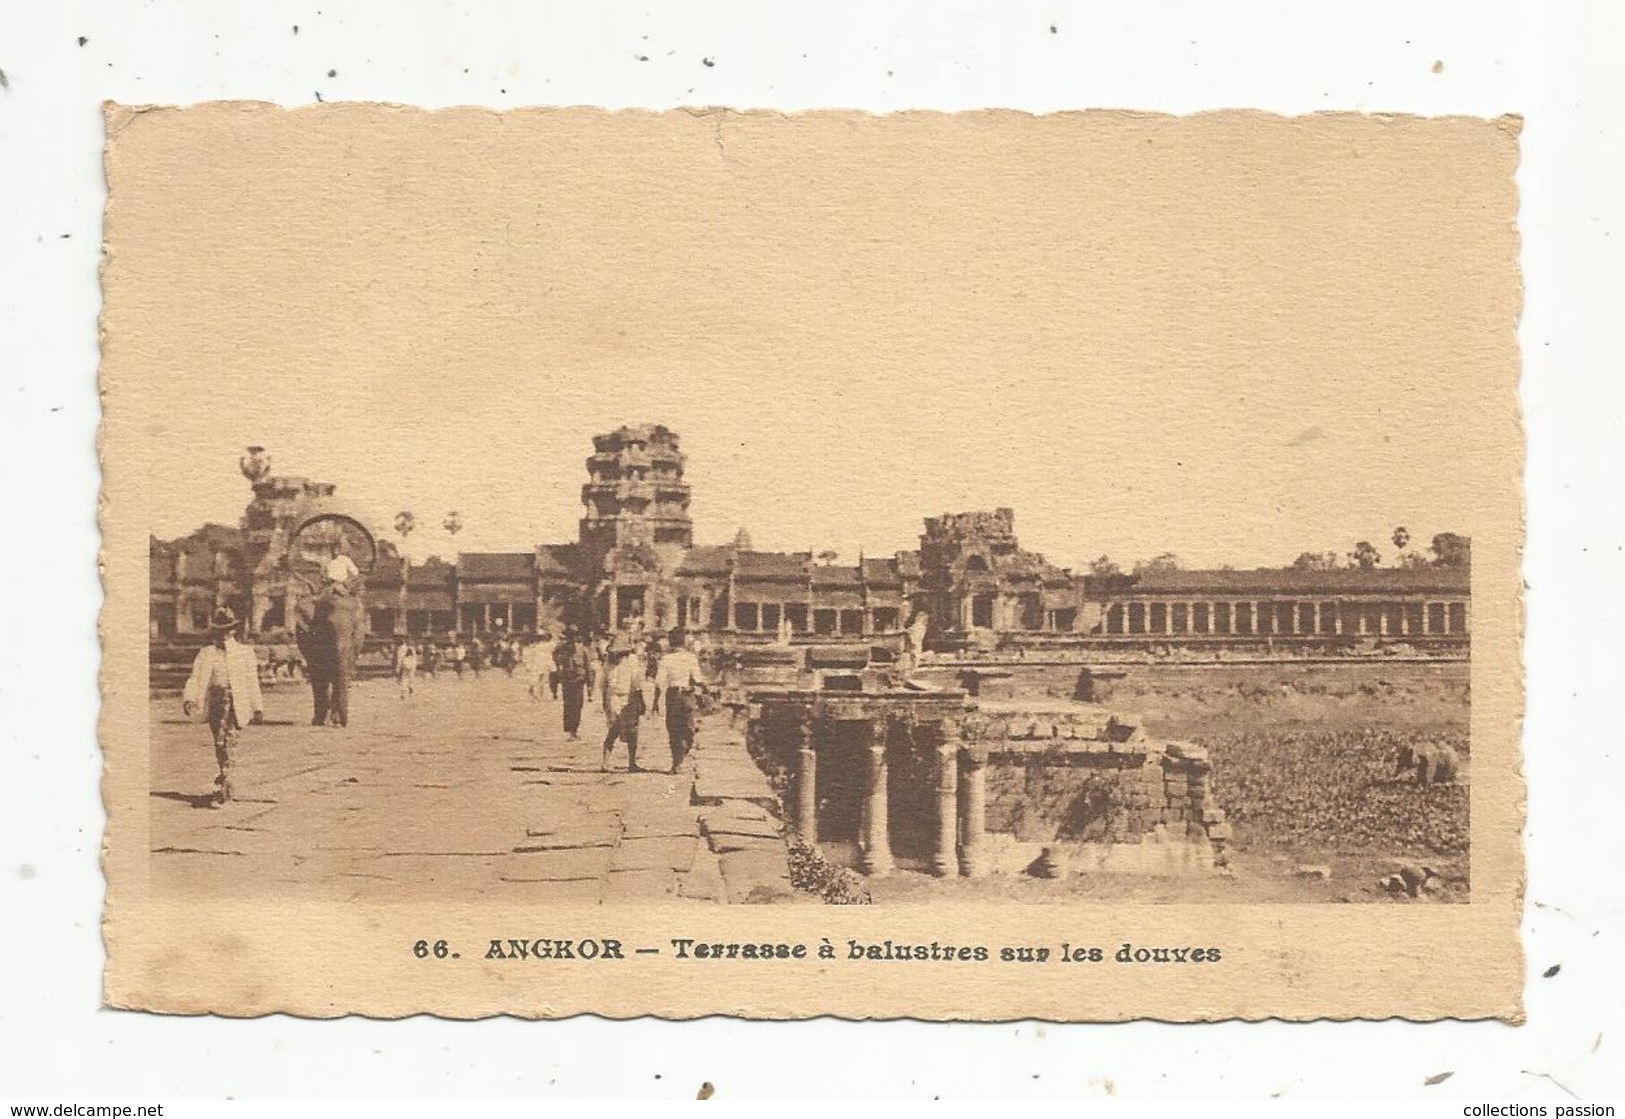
[340, 568]
[224, 686]
[406, 667]
[677, 680]
[623, 702]
[538, 666]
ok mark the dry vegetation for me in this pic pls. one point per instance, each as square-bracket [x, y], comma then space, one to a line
[1305, 758]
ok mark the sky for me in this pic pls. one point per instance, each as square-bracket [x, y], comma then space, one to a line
[1232, 338]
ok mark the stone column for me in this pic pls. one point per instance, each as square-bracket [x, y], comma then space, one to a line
[806, 777]
[972, 813]
[943, 861]
[876, 858]
[1427, 619]
[807, 791]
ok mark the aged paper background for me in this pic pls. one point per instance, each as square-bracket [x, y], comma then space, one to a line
[246, 264]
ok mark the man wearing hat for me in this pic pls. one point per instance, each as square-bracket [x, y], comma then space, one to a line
[677, 678]
[574, 665]
[623, 700]
[224, 685]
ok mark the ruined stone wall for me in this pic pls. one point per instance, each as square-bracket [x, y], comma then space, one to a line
[1083, 782]
[1099, 796]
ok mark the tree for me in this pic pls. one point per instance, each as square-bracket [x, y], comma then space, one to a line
[405, 523]
[1402, 537]
[1413, 560]
[742, 540]
[1452, 550]
[1167, 561]
[828, 555]
[1365, 556]
[453, 522]
[1103, 567]
[1315, 561]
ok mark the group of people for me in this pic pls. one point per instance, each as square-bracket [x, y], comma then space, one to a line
[224, 691]
[409, 658]
[632, 678]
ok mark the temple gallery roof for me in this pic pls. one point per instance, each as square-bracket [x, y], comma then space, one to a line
[559, 561]
[881, 572]
[833, 575]
[706, 559]
[773, 565]
[432, 572]
[495, 566]
[564, 561]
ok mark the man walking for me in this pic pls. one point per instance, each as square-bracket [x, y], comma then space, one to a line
[224, 685]
[677, 679]
[538, 666]
[406, 667]
[623, 702]
[574, 665]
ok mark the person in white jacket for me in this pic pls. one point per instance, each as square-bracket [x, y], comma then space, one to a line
[224, 685]
[623, 701]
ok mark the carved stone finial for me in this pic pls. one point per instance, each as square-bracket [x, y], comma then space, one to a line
[255, 465]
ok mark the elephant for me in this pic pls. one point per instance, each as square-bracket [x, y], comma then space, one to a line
[331, 628]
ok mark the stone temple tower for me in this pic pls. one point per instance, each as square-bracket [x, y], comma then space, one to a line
[635, 526]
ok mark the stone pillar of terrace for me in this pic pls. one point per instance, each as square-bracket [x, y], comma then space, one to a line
[972, 812]
[943, 857]
[876, 858]
[806, 779]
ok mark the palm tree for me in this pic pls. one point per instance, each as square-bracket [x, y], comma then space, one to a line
[453, 522]
[405, 522]
[1402, 537]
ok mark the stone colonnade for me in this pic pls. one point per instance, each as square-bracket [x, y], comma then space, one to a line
[960, 788]
[1288, 617]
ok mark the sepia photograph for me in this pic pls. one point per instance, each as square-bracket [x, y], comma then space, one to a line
[631, 714]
